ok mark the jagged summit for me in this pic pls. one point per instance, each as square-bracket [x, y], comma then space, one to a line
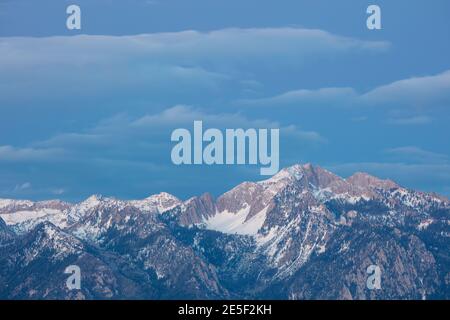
[94, 199]
[164, 201]
[365, 180]
[314, 173]
[292, 172]
[247, 203]
[160, 202]
[162, 195]
[322, 181]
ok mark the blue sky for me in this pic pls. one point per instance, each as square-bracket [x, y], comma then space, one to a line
[91, 111]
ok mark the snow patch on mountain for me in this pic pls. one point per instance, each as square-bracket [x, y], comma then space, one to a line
[22, 216]
[237, 223]
[5, 203]
[425, 224]
[24, 221]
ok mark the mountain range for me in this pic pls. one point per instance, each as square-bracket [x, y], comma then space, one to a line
[305, 233]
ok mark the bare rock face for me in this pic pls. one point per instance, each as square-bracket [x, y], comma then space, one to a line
[6, 234]
[407, 268]
[247, 194]
[364, 181]
[305, 233]
[319, 178]
[197, 209]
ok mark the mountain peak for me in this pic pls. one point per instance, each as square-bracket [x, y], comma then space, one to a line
[316, 176]
[162, 196]
[297, 171]
[294, 172]
[365, 180]
[91, 201]
[162, 201]
[95, 197]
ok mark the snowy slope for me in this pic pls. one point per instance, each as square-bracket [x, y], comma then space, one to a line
[236, 223]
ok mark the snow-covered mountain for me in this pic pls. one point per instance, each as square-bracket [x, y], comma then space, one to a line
[23, 215]
[304, 233]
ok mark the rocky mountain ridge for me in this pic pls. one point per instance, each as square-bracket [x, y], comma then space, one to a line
[305, 233]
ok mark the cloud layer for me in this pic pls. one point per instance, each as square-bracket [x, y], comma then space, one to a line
[186, 63]
[88, 113]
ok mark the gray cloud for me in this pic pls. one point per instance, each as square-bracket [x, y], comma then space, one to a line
[418, 95]
[121, 128]
[307, 98]
[413, 153]
[23, 186]
[185, 63]
[186, 46]
[416, 91]
[15, 154]
[413, 120]
[413, 92]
